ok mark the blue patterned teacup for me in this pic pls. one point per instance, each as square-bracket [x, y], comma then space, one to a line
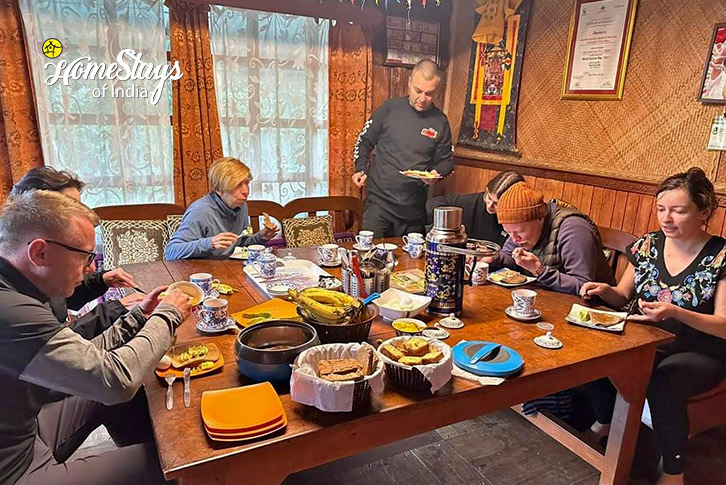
[412, 238]
[364, 239]
[214, 312]
[204, 281]
[415, 249]
[253, 251]
[266, 265]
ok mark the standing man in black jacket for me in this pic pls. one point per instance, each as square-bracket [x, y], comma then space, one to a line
[408, 133]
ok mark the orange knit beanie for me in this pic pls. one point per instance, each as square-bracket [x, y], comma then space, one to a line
[521, 203]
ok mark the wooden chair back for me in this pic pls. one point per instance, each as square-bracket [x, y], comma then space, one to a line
[616, 241]
[347, 212]
[256, 208]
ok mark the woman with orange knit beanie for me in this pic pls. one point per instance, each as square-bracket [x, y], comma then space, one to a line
[556, 243]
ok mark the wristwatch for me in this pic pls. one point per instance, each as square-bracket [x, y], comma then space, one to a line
[539, 270]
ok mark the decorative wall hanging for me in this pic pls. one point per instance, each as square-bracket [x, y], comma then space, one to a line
[489, 119]
[409, 41]
[713, 83]
[598, 48]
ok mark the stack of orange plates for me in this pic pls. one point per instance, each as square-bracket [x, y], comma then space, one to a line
[242, 413]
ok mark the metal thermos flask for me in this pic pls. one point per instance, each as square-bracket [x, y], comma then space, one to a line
[444, 271]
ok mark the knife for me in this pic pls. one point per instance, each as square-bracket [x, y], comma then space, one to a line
[187, 396]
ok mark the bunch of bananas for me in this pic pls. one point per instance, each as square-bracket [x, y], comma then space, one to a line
[326, 306]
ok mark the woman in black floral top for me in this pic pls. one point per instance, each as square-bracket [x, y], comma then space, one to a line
[677, 275]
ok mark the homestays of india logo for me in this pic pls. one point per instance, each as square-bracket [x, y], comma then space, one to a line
[128, 67]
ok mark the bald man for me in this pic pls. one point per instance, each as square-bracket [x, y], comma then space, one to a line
[408, 133]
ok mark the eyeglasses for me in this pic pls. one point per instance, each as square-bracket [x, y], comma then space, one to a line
[91, 255]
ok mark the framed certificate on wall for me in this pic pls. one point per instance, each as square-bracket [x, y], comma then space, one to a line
[409, 41]
[598, 48]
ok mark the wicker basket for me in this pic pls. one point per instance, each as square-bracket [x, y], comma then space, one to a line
[351, 332]
[362, 389]
[410, 378]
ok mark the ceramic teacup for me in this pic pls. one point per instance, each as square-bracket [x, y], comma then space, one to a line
[329, 254]
[214, 312]
[266, 264]
[481, 271]
[204, 281]
[411, 238]
[415, 249]
[524, 302]
[253, 251]
[364, 239]
[385, 248]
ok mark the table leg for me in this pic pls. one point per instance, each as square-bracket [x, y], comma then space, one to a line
[631, 380]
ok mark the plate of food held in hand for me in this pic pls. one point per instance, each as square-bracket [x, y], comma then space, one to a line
[509, 277]
[597, 319]
[420, 174]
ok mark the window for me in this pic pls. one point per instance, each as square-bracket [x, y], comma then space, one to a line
[271, 80]
[117, 142]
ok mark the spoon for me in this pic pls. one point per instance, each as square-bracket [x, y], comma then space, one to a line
[370, 298]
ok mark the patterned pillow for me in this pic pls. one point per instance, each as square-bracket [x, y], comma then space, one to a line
[310, 231]
[128, 242]
[172, 223]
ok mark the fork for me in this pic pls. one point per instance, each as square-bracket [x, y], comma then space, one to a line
[169, 393]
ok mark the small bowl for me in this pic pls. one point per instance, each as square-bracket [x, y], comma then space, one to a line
[330, 284]
[400, 326]
[190, 289]
[420, 303]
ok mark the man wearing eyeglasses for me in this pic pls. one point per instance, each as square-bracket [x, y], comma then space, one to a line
[46, 243]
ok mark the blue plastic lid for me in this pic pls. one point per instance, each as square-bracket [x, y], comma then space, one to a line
[487, 358]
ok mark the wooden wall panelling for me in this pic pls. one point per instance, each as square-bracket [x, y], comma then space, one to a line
[658, 128]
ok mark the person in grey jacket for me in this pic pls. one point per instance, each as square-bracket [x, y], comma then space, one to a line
[47, 242]
[553, 242]
[94, 284]
[217, 223]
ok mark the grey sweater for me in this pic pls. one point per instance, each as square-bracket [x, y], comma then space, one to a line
[38, 355]
[581, 258]
[204, 219]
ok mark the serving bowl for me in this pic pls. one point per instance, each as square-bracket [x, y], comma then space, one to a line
[349, 332]
[266, 350]
[390, 301]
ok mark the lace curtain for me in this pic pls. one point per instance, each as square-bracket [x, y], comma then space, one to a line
[121, 147]
[271, 80]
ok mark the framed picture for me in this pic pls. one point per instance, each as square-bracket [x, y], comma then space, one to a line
[713, 83]
[598, 48]
[409, 41]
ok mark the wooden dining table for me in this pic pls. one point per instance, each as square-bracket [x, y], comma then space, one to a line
[313, 437]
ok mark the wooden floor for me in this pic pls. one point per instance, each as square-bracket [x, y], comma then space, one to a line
[502, 449]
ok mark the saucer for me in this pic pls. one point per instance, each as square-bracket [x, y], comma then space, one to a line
[202, 327]
[523, 318]
[280, 289]
[437, 333]
[330, 264]
[361, 248]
